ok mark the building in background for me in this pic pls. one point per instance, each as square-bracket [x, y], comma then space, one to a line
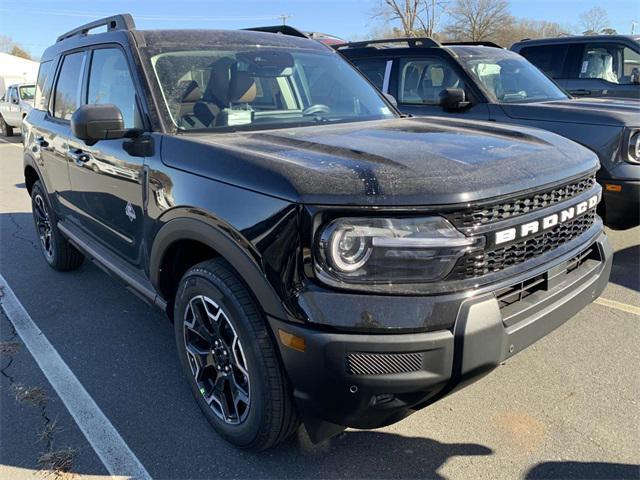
[16, 70]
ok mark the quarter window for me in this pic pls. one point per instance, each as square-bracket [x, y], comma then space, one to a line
[110, 82]
[67, 89]
[422, 81]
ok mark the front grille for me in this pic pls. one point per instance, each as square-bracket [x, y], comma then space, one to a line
[489, 261]
[520, 205]
[383, 363]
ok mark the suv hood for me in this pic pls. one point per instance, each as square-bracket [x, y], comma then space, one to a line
[593, 111]
[413, 161]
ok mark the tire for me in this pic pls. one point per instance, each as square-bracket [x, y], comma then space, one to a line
[5, 129]
[261, 414]
[57, 251]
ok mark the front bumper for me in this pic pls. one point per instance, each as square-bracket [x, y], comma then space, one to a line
[373, 380]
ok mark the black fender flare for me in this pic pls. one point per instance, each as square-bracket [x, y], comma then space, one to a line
[29, 161]
[239, 258]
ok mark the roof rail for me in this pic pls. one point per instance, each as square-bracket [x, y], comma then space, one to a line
[282, 29]
[472, 44]
[124, 21]
[413, 42]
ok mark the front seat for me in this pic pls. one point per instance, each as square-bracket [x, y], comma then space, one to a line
[216, 94]
[242, 91]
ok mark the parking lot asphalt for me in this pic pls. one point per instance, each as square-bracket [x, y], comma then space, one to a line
[566, 408]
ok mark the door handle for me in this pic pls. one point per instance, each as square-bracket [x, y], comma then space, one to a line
[78, 156]
[580, 92]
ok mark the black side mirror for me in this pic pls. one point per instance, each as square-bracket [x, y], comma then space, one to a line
[391, 99]
[15, 101]
[453, 99]
[93, 123]
[635, 76]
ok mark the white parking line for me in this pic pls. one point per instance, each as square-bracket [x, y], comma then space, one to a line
[624, 307]
[112, 450]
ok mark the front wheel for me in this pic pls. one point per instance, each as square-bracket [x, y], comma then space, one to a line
[230, 360]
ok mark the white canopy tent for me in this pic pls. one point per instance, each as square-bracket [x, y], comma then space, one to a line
[16, 70]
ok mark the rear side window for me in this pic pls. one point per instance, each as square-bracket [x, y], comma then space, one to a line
[612, 62]
[110, 82]
[67, 95]
[43, 88]
[548, 58]
[373, 69]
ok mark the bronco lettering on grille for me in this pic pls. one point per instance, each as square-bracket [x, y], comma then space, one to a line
[530, 228]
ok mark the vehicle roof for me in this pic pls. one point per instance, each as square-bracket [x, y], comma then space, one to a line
[577, 39]
[27, 84]
[196, 38]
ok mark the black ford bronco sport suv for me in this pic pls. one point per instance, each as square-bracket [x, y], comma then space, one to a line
[323, 259]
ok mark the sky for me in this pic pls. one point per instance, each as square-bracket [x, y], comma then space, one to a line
[35, 24]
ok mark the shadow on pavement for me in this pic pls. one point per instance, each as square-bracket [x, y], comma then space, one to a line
[583, 471]
[626, 268]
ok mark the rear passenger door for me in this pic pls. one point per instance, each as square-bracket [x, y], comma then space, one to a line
[107, 182]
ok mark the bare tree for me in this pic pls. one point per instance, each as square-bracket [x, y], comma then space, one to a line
[476, 20]
[527, 28]
[593, 21]
[7, 45]
[18, 51]
[416, 17]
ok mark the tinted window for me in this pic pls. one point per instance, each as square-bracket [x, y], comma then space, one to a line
[110, 82]
[66, 96]
[373, 69]
[611, 62]
[422, 80]
[548, 58]
[43, 86]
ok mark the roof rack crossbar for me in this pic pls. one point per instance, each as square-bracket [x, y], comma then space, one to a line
[413, 42]
[123, 21]
[282, 29]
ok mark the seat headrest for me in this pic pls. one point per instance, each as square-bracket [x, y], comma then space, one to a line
[242, 87]
[190, 92]
[217, 89]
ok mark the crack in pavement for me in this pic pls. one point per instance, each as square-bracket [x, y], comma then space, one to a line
[16, 233]
[57, 463]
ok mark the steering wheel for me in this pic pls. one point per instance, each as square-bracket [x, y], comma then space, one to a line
[315, 109]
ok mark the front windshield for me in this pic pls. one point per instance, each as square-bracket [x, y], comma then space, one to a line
[508, 77]
[256, 88]
[27, 92]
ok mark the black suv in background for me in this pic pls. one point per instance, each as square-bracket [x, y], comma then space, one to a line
[486, 82]
[593, 66]
[321, 258]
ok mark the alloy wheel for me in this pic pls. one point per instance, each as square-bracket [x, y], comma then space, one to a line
[43, 224]
[217, 360]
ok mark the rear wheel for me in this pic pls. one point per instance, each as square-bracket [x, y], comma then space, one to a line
[5, 129]
[230, 360]
[57, 251]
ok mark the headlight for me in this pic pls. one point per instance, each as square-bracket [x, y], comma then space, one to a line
[390, 250]
[633, 149]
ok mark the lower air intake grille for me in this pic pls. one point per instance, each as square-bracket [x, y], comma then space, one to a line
[383, 363]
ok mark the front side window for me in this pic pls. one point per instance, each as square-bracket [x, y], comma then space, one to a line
[67, 95]
[43, 87]
[422, 80]
[256, 88]
[13, 95]
[507, 77]
[110, 82]
[27, 92]
[611, 62]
